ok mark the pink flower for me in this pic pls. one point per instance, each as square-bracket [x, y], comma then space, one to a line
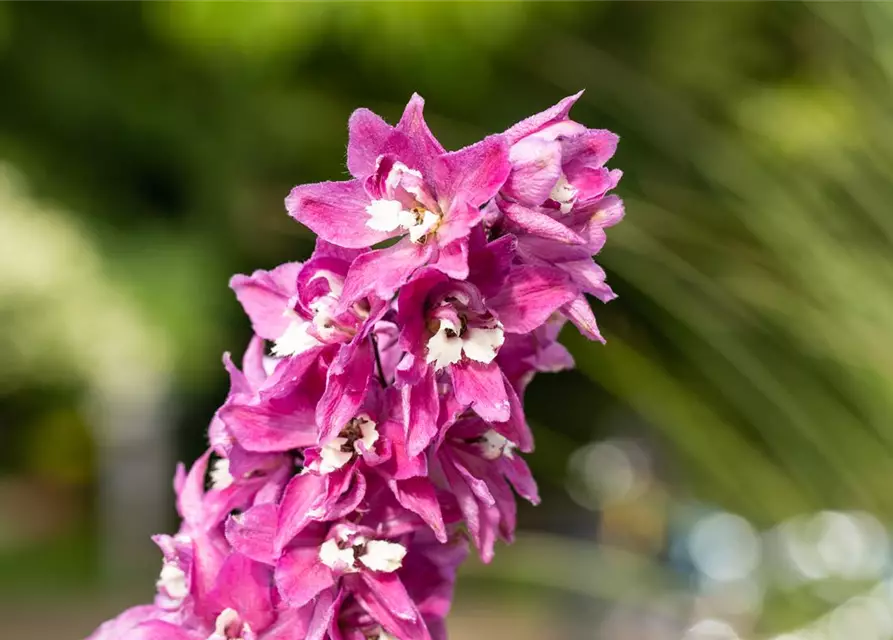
[481, 464]
[404, 184]
[377, 420]
[555, 201]
[449, 326]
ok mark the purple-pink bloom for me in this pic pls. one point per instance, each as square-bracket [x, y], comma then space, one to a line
[376, 425]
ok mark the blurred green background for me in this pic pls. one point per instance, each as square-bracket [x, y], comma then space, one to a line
[721, 469]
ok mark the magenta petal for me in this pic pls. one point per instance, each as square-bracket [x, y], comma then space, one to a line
[418, 495]
[260, 428]
[367, 595]
[303, 492]
[384, 271]
[515, 428]
[251, 532]
[346, 384]
[411, 319]
[244, 585]
[323, 613]
[191, 491]
[518, 473]
[336, 212]
[469, 505]
[420, 409]
[473, 174]
[206, 565]
[292, 623]
[401, 465]
[489, 264]
[533, 124]
[391, 593]
[116, 628]
[530, 295]
[453, 259]
[481, 386]
[368, 137]
[157, 630]
[345, 501]
[580, 313]
[300, 576]
[590, 277]
[536, 168]
[265, 295]
[413, 124]
[540, 224]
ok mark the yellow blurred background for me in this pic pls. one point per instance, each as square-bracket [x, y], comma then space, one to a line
[721, 469]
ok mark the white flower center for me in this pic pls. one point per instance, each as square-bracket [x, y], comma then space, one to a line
[564, 193]
[383, 556]
[334, 557]
[221, 478]
[296, 339]
[228, 627]
[495, 445]
[376, 555]
[448, 344]
[389, 215]
[341, 450]
[172, 582]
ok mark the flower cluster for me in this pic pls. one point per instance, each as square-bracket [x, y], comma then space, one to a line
[376, 424]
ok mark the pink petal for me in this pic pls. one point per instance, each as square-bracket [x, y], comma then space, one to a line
[515, 428]
[580, 313]
[261, 428]
[390, 620]
[251, 532]
[411, 319]
[413, 124]
[336, 212]
[490, 262]
[368, 138]
[292, 624]
[191, 492]
[323, 613]
[530, 295]
[473, 174]
[453, 259]
[300, 576]
[481, 386]
[460, 220]
[383, 271]
[536, 168]
[344, 500]
[244, 585]
[303, 492]
[518, 473]
[116, 628]
[390, 592]
[540, 224]
[207, 561]
[401, 465]
[157, 630]
[265, 295]
[534, 123]
[590, 278]
[470, 507]
[253, 363]
[346, 384]
[593, 148]
[420, 409]
[418, 495]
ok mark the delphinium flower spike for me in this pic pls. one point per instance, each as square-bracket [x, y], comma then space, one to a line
[376, 425]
